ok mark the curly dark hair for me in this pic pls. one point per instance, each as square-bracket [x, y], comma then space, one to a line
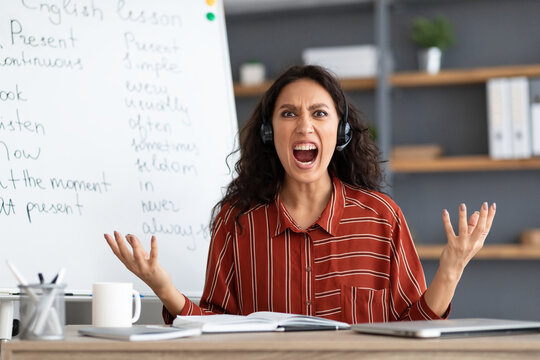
[259, 170]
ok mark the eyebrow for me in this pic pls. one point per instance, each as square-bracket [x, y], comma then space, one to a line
[314, 106]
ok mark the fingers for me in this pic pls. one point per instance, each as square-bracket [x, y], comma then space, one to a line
[485, 219]
[481, 228]
[473, 221]
[479, 222]
[491, 215]
[486, 216]
[125, 253]
[139, 253]
[120, 249]
[112, 245]
[448, 225]
[153, 251]
[463, 227]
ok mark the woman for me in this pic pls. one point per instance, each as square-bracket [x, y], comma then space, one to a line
[304, 228]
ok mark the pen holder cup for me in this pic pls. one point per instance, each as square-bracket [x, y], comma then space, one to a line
[42, 311]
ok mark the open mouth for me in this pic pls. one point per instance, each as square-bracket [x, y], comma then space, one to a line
[305, 153]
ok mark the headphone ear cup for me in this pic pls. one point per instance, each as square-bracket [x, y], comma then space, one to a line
[344, 135]
[267, 133]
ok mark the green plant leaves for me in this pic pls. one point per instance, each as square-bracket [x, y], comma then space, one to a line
[437, 32]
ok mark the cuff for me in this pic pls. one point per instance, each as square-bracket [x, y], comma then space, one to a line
[189, 309]
[427, 312]
[168, 318]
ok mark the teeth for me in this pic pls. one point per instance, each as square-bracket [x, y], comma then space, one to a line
[305, 147]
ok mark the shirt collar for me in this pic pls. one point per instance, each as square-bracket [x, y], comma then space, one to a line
[329, 219]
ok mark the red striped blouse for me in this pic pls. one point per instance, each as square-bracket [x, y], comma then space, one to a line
[356, 264]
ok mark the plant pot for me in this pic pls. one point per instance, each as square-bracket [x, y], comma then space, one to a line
[252, 73]
[429, 60]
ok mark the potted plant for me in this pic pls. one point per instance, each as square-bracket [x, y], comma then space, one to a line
[432, 36]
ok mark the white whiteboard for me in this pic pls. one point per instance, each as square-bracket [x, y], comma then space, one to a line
[114, 114]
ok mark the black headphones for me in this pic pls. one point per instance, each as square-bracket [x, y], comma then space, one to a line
[344, 132]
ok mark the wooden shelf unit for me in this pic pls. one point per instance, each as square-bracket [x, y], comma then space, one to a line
[488, 252]
[461, 163]
[462, 76]
[416, 79]
[347, 85]
[251, 90]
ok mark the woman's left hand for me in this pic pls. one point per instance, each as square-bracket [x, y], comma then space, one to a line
[461, 249]
[457, 253]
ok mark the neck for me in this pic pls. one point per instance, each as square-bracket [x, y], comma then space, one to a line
[306, 201]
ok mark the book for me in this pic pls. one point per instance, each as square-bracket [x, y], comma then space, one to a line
[141, 333]
[258, 321]
[520, 117]
[535, 128]
[534, 94]
[499, 122]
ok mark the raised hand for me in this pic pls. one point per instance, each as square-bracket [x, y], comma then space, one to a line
[457, 253]
[460, 249]
[138, 261]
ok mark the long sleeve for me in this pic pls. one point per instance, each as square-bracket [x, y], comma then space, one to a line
[407, 282]
[219, 295]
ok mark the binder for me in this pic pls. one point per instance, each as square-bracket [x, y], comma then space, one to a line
[534, 95]
[520, 117]
[499, 125]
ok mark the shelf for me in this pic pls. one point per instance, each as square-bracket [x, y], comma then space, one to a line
[461, 163]
[346, 84]
[251, 90]
[488, 252]
[358, 84]
[462, 76]
[417, 79]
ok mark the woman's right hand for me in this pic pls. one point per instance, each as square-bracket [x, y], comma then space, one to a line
[148, 269]
[139, 262]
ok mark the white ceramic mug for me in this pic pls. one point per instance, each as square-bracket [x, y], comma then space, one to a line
[112, 304]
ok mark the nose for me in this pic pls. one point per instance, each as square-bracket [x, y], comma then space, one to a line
[304, 125]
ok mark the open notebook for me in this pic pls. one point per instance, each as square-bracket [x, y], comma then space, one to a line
[258, 321]
[447, 328]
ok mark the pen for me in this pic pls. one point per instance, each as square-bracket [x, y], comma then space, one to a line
[21, 280]
[46, 305]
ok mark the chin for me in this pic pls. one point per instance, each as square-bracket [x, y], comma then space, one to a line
[308, 176]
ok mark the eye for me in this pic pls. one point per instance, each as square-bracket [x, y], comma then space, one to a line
[320, 113]
[287, 113]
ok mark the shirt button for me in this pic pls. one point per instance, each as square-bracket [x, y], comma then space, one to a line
[308, 268]
[308, 303]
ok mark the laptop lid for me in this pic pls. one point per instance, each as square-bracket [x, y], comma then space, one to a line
[454, 327]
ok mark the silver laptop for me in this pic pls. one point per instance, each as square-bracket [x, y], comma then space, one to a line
[455, 327]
